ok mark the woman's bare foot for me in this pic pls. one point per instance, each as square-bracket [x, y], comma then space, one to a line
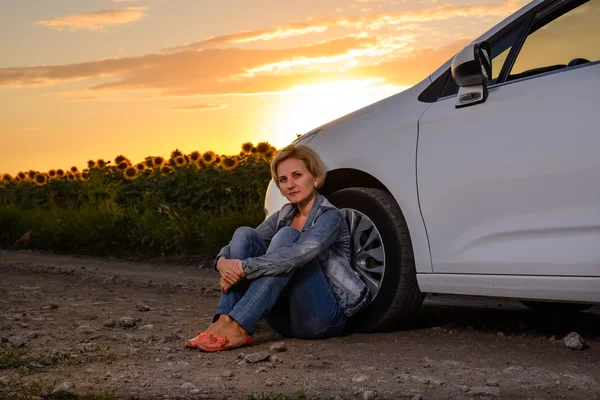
[218, 324]
[233, 332]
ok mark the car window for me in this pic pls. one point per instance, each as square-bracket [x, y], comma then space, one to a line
[560, 40]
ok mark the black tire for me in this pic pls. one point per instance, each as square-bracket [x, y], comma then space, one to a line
[398, 296]
[552, 307]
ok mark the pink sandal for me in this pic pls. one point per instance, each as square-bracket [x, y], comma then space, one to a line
[217, 343]
[200, 337]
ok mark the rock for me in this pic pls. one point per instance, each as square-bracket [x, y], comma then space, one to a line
[417, 397]
[50, 306]
[278, 347]
[360, 378]
[142, 307]
[261, 369]
[34, 364]
[269, 382]
[17, 341]
[491, 382]
[241, 356]
[187, 385]
[369, 395]
[276, 359]
[574, 341]
[195, 391]
[127, 322]
[227, 374]
[257, 357]
[484, 391]
[149, 326]
[109, 323]
[65, 388]
[50, 360]
[32, 335]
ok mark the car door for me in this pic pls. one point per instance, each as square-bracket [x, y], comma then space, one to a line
[512, 185]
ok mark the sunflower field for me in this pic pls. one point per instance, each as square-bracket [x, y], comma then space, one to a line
[187, 205]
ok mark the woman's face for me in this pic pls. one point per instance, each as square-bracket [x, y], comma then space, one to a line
[295, 181]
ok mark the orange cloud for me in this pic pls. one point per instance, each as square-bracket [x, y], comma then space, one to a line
[95, 20]
[202, 107]
[369, 22]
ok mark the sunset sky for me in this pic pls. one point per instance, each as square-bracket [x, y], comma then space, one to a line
[89, 79]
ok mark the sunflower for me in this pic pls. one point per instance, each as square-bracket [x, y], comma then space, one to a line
[166, 170]
[31, 174]
[40, 179]
[262, 148]
[176, 153]
[159, 161]
[74, 169]
[229, 163]
[180, 161]
[60, 173]
[101, 163]
[247, 147]
[253, 150]
[140, 166]
[147, 173]
[52, 174]
[149, 162]
[91, 163]
[194, 156]
[122, 166]
[71, 176]
[130, 172]
[121, 158]
[208, 157]
[85, 175]
[6, 178]
[218, 160]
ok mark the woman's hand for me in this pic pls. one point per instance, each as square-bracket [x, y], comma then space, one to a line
[224, 286]
[230, 270]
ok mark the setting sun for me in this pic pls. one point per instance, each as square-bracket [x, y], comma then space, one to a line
[303, 108]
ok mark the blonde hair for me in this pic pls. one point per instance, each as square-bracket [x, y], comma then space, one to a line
[311, 159]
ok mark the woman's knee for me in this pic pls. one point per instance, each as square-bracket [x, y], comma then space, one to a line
[245, 233]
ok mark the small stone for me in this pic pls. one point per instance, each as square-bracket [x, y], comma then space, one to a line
[369, 394]
[269, 382]
[127, 322]
[227, 374]
[187, 385]
[491, 382]
[35, 365]
[65, 388]
[360, 378]
[417, 397]
[570, 387]
[241, 356]
[574, 341]
[500, 334]
[261, 369]
[50, 306]
[195, 391]
[17, 341]
[552, 338]
[142, 307]
[50, 360]
[149, 326]
[257, 357]
[276, 359]
[278, 347]
[110, 323]
[32, 335]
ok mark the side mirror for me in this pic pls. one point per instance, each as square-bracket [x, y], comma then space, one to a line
[472, 71]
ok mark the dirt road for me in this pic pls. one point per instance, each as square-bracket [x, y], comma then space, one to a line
[60, 325]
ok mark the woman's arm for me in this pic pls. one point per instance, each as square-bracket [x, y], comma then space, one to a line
[311, 243]
[266, 229]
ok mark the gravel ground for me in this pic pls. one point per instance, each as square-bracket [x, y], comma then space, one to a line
[115, 329]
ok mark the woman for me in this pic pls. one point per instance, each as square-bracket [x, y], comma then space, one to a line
[293, 269]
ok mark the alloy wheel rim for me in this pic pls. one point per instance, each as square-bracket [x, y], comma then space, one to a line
[368, 253]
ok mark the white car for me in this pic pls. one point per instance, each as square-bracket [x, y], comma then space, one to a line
[484, 178]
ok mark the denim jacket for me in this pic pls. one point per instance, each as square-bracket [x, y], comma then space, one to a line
[325, 236]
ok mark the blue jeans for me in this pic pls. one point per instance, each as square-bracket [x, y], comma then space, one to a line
[298, 304]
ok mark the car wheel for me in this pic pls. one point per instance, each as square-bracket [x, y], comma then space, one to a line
[552, 307]
[382, 255]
